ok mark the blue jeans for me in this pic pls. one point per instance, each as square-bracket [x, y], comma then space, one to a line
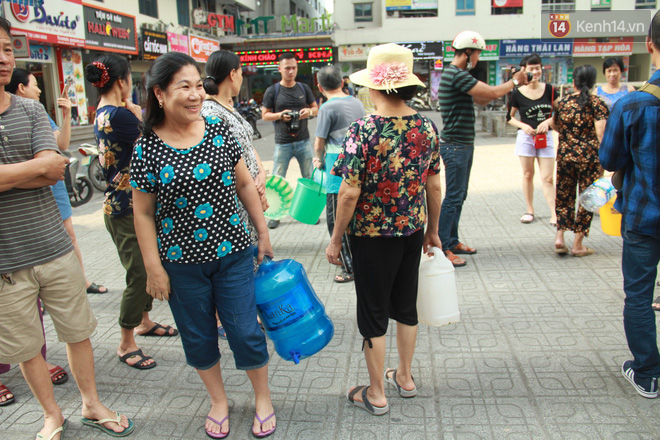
[641, 254]
[225, 284]
[301, 150]
[458, 164]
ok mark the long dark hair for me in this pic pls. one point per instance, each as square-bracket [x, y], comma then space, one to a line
[160, 74]
[218, 67]
[18, 76]
[115, 66]
[584, 78]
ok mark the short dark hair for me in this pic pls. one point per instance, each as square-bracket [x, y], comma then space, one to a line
[403, 93]
[609, 62]
[5, 25]
[218, 67]
[329, 77]
[160, 74]
[533, 59]
[18, 76]
[117, 67]
[654, 30]
[286, 56]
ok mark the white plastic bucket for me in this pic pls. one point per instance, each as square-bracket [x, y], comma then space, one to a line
[437, 302]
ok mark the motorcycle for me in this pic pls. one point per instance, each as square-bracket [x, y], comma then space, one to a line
[90, 160]
[251, 112]
[420, 102]
[78, 187]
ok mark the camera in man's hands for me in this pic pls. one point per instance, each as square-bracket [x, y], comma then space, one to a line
[515, 70]
[294, 123]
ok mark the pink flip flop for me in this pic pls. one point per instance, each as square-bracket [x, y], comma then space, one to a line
[220, 434]
[263, 434]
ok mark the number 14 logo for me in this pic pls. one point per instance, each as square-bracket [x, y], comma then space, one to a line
[559, 25]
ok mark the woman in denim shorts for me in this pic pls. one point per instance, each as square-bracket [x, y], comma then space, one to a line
[533, 102]
[188, 175]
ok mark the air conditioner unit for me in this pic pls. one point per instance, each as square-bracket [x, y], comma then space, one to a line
[147, 26]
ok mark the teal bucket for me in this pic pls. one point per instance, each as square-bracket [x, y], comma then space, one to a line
[308, 202]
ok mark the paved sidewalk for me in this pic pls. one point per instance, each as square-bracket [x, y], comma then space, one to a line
[537, 353]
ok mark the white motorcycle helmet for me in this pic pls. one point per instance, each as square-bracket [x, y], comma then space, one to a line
[467, 40]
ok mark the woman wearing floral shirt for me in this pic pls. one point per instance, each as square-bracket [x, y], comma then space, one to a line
[580, 122]
[116, 129]
[390, 168]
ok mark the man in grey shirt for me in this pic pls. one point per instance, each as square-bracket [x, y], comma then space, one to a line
[37, 260]
[335, 115]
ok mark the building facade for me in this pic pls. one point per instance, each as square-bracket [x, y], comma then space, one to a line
[65, 35]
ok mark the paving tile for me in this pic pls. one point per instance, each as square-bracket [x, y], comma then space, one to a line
[536, 354]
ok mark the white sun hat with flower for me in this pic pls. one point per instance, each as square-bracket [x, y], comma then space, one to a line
[389, 67]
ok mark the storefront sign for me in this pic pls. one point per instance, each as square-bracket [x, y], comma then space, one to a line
[425, 50]
[586, 47]
[201, 48]
[21, 46]
[491, 53]
[178, 42]
[507, 3]
[154, 44]
[519, 48]
[288, 24]
[41, 54]
[406, 5]
[53, 22]
[110, 31]
[354, 52]
[210, 20]
[438, 64]
[269, 57]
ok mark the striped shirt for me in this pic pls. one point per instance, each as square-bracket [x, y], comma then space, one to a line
[632, 141]
[456, 106]
[31, 229]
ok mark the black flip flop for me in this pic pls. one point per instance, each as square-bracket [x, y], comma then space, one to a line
[139, 364]
[95, 288]
[152, 331]
[344, 278]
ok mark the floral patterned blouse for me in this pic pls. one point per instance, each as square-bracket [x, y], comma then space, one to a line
[575, 125]
[196, 204]
[242, 131]
[389, 158]
[116, 129]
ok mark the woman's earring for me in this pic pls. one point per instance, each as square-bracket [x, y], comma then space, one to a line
[160, 104]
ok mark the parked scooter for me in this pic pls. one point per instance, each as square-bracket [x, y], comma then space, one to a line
[420, 102]
[251, 112]
[79, 188]
[94, 170]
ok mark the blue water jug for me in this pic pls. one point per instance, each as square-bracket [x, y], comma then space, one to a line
[294, 318]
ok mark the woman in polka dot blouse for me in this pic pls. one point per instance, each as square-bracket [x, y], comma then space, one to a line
[188, 177]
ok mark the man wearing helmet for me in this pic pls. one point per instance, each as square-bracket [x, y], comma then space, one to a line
[457, 94]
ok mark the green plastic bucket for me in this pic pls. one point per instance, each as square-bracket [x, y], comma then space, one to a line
[308, 202]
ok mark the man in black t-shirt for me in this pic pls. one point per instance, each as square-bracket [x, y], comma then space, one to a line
[288, 104]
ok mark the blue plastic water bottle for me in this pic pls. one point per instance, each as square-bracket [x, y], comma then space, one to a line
[294, 318]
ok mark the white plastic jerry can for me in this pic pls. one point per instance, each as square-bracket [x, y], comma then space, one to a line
[437, 302]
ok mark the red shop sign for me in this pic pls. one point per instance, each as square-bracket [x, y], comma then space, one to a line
[585, 47]
[269, 57]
